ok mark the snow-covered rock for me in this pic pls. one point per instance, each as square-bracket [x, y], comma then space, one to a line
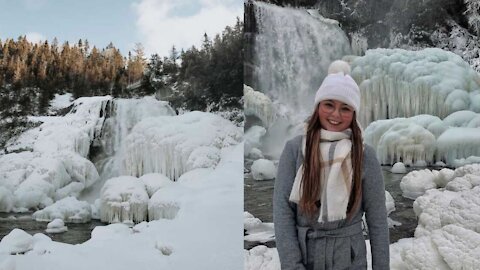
[263, 169]
[17, 241]
[415, 183]
[123, 199]
[255, 153]
[399, 167]
[68, 209]
[166, 202]
[56, 226]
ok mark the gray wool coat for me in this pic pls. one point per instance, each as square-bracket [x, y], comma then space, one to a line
[306, 244]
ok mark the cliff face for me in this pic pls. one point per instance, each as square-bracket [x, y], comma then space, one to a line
[408, 24]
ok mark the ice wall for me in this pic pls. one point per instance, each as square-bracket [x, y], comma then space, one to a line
[400, 83]
[292, 51]
[258, 105]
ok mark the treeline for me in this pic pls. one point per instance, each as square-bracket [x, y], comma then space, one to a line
[76, 68]
[205, 78]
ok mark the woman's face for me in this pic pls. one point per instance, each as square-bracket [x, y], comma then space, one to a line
[335, 115]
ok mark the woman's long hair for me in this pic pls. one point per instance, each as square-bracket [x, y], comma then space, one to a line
[312, 170]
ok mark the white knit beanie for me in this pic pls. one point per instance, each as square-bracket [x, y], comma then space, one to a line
[338, 85]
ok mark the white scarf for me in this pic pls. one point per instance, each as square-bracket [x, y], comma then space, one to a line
[336, 175]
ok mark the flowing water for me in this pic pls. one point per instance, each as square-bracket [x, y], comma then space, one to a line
[77, 232]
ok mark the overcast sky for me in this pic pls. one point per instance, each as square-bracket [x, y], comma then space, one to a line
[157, 24]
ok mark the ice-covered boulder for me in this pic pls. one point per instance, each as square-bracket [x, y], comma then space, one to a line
[263, 169]
[123, 199]
[56, 226]
[423, 254]
[175, 145]
[68, 209]
[17, 241]
[457, 143]
[401, 83]
[399, 167]
[255, 153]
[415, 183]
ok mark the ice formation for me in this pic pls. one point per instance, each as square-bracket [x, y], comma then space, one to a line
[416, 183]
[263, 169]
[253, 136]
[400, 83]
[56, 226]
[448, 231]
[68, 209]
[255, 154]
[123, 199]
[256, 230]
[259, 105]
[175, 145]
[425, 139]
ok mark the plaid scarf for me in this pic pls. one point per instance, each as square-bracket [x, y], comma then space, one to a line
[336, 175]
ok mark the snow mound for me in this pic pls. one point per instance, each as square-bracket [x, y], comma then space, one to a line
[56, 226]
[175, 145]
[400, 83]
[263, 169]
[256, 230]
[154, 182]
[123, 199]
[68, 209]
[255, 154]
[17, 241]
[261, 258]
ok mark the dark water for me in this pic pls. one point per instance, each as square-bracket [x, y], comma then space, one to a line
[258, 197]
[77, 232]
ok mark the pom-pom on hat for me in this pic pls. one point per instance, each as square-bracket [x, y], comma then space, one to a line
[338, 85]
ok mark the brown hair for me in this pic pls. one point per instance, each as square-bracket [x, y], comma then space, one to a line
[312, 170]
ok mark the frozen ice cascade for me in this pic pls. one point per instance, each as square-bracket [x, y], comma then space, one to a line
[425, 139]
[292, 50]
[400, 83]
